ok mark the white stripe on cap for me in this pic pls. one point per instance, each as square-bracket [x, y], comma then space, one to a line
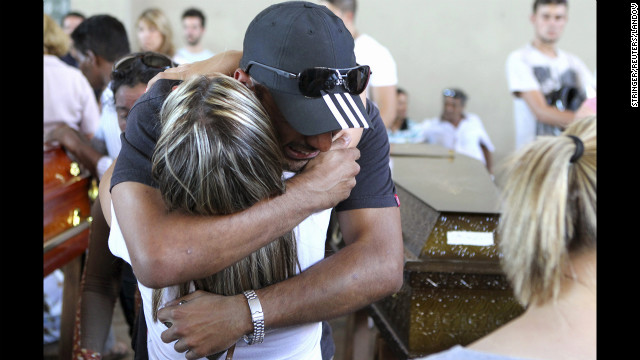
[347, 111]
[334, 111]
[356, 109]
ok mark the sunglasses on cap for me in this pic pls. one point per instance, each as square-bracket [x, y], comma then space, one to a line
[312, 80]
[149, 59]
[449, 93]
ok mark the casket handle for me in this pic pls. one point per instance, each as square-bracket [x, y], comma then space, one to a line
[74, 169]
[75, 217]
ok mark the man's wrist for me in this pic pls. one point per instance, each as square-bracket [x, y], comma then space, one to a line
[296, 190]
[256, 336]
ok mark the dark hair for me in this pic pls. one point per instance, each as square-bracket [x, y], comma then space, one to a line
[104, 35]
[400, 90]
[74, 13]
[344, 5]
[456, 94]
[536, 3]
[133, 75]
[194, 12]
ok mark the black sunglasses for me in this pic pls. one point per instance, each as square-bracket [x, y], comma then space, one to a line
[150, 59]
[311, 81]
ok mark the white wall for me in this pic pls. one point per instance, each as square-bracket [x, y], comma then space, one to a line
[436, 44]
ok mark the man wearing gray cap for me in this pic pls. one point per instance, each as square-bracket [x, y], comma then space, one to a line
[298, 58]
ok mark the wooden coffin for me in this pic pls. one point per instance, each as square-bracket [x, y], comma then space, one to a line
[66, 208]
[454, 290]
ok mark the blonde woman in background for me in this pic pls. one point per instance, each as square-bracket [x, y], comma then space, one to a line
[548, 238]
[155, 33]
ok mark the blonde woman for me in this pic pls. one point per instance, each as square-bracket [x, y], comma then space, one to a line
[548, 238]
[218, 153]
[155, 33]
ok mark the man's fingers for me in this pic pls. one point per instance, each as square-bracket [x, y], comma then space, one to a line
[168, 336]
[170, 73]
[153, 80]
[341, 142]
[181, 346]
[184, 299]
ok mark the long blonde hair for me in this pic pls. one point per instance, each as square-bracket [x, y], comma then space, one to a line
[218, 154]
[549, 210]
[154, 17]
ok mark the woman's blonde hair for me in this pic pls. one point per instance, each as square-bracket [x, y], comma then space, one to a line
[548, 210]
[217, 154]
[55, 40]
[154, 17]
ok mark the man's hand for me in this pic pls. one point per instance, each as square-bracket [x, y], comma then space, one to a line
[77, 144]
[225, 63]
[63, 134]
[205, 323]
[329, 177]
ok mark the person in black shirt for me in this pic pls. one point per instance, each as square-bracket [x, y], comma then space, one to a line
[311, 118]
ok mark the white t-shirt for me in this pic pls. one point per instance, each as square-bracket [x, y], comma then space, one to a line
[67, 97]
[383, 67]
[108, 130]
[295, 342]
[529, 69]
[464, 139]
[183, 56]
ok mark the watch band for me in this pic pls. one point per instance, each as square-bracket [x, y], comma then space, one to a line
[257, 317]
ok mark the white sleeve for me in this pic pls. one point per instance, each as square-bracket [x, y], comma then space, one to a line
[520, 75]
[587, 79]
[386, 73]
[102, 165]
[370, 52]
[424, 130]
[484, 136]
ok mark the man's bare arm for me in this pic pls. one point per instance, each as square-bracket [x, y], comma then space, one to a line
[488, 158]
[368, 269]
[167, 248]
[544, 112]
[225, 62]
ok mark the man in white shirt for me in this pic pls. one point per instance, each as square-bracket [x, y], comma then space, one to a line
[537, 70]
[384, 73]
[193, 25]
[458, 130]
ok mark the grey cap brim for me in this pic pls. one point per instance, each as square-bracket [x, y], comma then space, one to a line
[314, 116]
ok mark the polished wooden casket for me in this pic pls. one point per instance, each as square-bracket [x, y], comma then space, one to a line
[66, 208]
[67, 194]
[454, 291]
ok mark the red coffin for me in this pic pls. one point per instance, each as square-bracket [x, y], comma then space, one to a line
[66, 207]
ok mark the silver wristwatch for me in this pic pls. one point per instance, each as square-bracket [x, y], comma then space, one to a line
[257, 317]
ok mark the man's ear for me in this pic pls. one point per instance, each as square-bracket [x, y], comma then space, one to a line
[243, 77]
[98, 61]
[93, 58]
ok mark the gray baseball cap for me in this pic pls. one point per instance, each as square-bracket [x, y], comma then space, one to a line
[297, 35]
